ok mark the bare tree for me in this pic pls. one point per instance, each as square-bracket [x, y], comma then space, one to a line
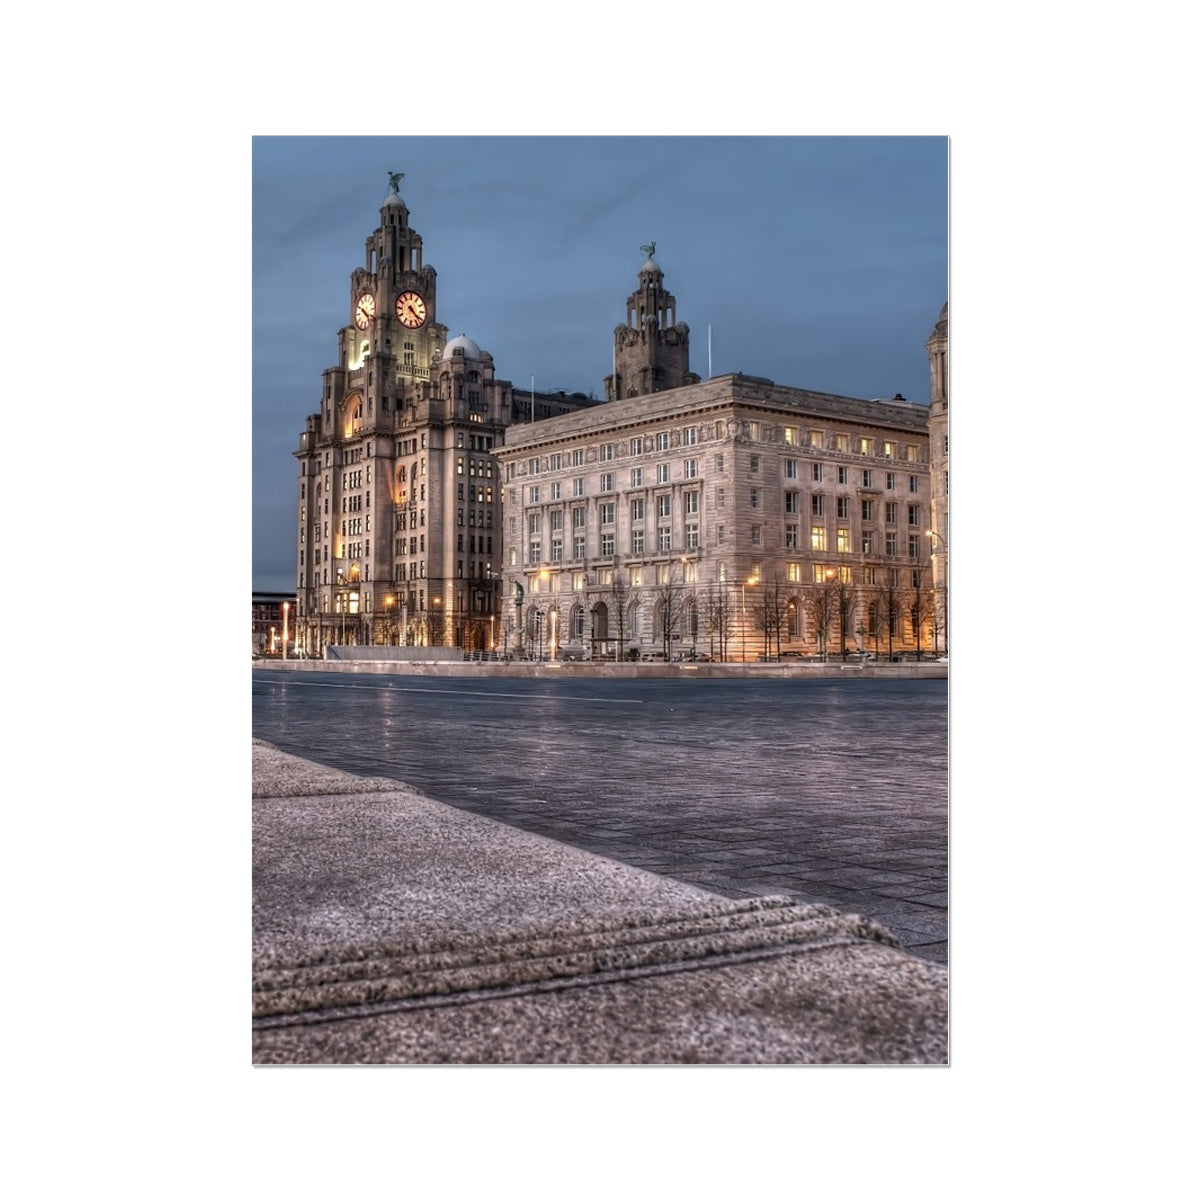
[620, 598]
[820, 606]
[774, 613]
[669, 596]
[718, 618]
[889, 601]
[843, 592]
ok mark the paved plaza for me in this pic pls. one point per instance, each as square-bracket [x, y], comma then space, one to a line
[826, 791]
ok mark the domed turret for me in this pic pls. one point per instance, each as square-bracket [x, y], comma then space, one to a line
[463, 347]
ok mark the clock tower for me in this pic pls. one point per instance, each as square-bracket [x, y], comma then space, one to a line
[394, 463]
[650, 351]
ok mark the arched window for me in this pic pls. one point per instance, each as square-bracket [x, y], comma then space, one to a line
[578, 623]
[600, 620]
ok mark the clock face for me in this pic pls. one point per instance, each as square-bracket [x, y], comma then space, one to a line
[410, 310]
[364, 310]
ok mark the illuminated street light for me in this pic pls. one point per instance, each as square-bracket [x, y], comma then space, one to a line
[749, 583]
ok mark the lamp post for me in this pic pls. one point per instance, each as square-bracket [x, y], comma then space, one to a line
[749, 583]
[285, 629]
[388, 601]
[436, 632]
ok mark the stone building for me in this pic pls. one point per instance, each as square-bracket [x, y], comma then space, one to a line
[938, 347]
[406, 424]
[736, 518]
[399, 508]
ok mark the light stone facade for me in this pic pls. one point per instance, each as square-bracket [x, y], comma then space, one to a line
[640, 525]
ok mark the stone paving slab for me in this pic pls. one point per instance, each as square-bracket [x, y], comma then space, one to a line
[389, 928]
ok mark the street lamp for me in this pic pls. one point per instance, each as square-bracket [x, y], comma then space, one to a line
[749, 583]
[388, 601]
[285, 630]
[436, 631]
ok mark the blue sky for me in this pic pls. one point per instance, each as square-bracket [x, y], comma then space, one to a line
[819, 262]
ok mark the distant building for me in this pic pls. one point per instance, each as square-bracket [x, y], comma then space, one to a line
[267, 621]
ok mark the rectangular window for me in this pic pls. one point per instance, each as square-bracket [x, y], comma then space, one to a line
[913, 486]
[890, 479]
[866, 479]
[535, 523]
[868, 542]
[608, 513]
[664, 539]
[866, 445]
[577, 490]
[556, 491]
[754, 497]
[910, 454]
[841, 443]
[843, 474]
[868, 510]
[689, 468]
[635, 445]
[556, 462]
[790, 468]
[637, 541]
[816, 439]
[535, 494]
[535, 552]
[843, 507]
[818, 505]
[791, 503]
[889, 449]
[635, 477]
[791, 435]
[690, 437]
[889, 512]
[818, 538]
[817, 472]
[914, 545]
[890, 545]
[577, 458]
[606, 482]
[535, 466]
[579, 517]
[754, 460]
[607, 541]
[691, 503]
[556, 520]
[664, 472]
[720, 497]
[606, 452]
[794, 573]
[556, 553]
[843, 540]
[637, 510]
[756, 535]
[662, 441]
[719, 463]
[914, 514]
[692, 536]
[664, 507]
[791, 537]
[720, 534]
[580, 546]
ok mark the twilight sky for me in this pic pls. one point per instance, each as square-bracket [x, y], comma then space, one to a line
[819, 262]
